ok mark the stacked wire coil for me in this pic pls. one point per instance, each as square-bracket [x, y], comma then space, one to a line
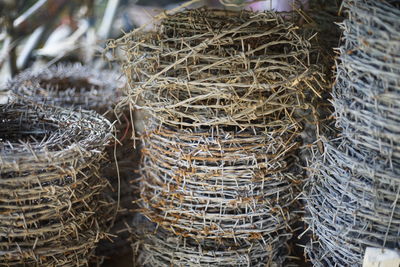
[354, 188]
[69, 85]
[81, 87]
[223, 92]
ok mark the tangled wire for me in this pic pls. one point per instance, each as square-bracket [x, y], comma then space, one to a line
[81, 87]
[52, 211]
[209, 67]
[353, 201]
[354, 188]
[69, 85]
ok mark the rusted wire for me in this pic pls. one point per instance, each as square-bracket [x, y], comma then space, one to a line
[224, 92]
[225, 184]
[207, 67]
[163, 248]
[81, 87]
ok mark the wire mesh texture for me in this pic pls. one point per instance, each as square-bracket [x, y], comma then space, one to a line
[353, 191]
[223, 93]
[52, 212]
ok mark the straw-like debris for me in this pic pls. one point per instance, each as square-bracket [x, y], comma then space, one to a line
[52, 211]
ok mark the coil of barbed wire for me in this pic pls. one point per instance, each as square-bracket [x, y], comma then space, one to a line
[166, 249]
[222, 184]
[367, 90]
[51, 208]
[352, 199]
[80, 87]
[70, 85]
[224, 91]
[212, 67]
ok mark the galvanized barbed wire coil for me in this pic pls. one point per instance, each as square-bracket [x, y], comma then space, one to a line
[353, 203]
[70, 85]
[219, 184]
[211, 67]
[166, 249]
[80, 87]
[52, 212]
[353, 190]
[367, 90]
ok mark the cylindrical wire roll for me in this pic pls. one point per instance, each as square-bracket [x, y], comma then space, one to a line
[367, 91]
[52, 211]
[227, 91]
[70, 85]
[212, 67]
[81, 87]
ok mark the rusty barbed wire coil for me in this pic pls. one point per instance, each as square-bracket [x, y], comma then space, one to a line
[225, 94]
[80, 87]
[225, 184]
[163, 248]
